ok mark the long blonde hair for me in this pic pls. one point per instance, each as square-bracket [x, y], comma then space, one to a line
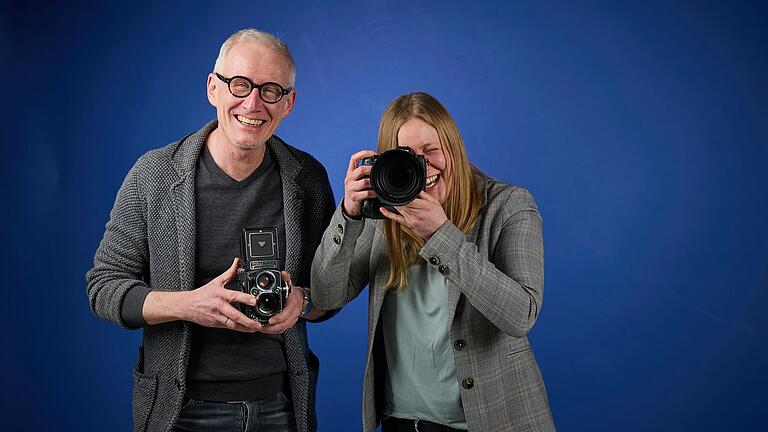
[462, 205]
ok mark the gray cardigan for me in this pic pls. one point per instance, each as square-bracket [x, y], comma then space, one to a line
[149, 241]
[495, 275]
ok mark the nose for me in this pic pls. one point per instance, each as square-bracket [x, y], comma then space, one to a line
[253, 101]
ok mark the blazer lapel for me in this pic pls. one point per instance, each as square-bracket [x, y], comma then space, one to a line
[453, 291]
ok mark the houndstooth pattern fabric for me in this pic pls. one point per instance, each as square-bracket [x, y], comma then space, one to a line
[495, 277]
[150, 241]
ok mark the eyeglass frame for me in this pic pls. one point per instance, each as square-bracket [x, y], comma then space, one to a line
[284, 91]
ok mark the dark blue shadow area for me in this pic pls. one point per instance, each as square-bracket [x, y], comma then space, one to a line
[641, 128]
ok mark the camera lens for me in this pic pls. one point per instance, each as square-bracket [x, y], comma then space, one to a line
[398, 176]
[267, 303]
[265, 280]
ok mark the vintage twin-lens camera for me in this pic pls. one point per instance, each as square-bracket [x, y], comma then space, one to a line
[259, 274]
[397, 177]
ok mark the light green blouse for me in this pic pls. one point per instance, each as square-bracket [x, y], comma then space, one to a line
[421, 378]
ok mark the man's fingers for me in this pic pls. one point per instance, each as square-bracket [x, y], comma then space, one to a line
[290, 313]
[241, 297]
[286, 277]
[291, 310]
[278, 318]
[227, 322]
[282, 321]
[234, 319]
[229, 274]
[278, 328]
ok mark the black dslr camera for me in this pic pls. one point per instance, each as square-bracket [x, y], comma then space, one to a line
[259, 274]
[397, 177]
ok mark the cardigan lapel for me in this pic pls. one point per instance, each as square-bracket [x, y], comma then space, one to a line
[293, 214]
[293, 204]
[184, 160]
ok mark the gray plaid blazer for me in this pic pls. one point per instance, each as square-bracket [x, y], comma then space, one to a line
[495, 275]
[150, 241]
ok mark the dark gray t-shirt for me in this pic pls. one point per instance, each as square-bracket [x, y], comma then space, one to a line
[226, 364]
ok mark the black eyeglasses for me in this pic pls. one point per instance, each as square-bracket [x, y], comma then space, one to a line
[242, 87]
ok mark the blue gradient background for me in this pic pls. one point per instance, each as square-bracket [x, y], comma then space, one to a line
[640, 127]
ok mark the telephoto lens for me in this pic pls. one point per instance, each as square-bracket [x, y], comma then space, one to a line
[397, 177]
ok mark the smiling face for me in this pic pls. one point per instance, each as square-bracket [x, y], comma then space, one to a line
[424, 140]
[247, 123]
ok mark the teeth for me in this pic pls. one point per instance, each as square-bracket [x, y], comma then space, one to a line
[432, 180]
[249, 121]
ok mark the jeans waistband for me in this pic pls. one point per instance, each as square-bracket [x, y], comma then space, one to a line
[416, 425]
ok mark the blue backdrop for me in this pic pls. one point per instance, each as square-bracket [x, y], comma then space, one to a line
[640, 127]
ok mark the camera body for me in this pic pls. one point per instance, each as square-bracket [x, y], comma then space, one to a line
[259, 274]
[397, 177]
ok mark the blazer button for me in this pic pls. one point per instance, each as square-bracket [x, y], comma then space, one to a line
[341, 229]
[337, 239]
[468, 383]
[459, 344]
[434, 260]
[443, 269]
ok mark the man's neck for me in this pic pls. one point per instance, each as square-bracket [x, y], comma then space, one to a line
[237, 162]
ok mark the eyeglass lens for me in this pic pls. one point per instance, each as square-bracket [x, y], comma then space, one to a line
[269, 92]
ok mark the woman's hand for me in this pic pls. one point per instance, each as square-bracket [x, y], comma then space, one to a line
[357, 184]
[423, 216]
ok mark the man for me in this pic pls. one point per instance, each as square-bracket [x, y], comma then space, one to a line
[171, 244]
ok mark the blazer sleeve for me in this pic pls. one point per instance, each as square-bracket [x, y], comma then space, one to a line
[340, 268]
[318, 219]
[506, 288]
[122, 258]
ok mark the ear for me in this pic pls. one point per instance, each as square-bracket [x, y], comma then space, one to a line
[290, 99]
[211, 89]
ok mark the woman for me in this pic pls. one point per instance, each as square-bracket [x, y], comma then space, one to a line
[456, 282]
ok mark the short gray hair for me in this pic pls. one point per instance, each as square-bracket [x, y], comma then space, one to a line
[260, 37]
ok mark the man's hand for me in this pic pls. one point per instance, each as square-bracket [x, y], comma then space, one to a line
[423, 216]
[287, 317]
[210, 305]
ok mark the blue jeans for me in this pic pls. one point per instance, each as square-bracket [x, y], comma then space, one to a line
[273, 414]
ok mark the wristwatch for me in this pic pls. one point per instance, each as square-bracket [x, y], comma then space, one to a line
[306, 304]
